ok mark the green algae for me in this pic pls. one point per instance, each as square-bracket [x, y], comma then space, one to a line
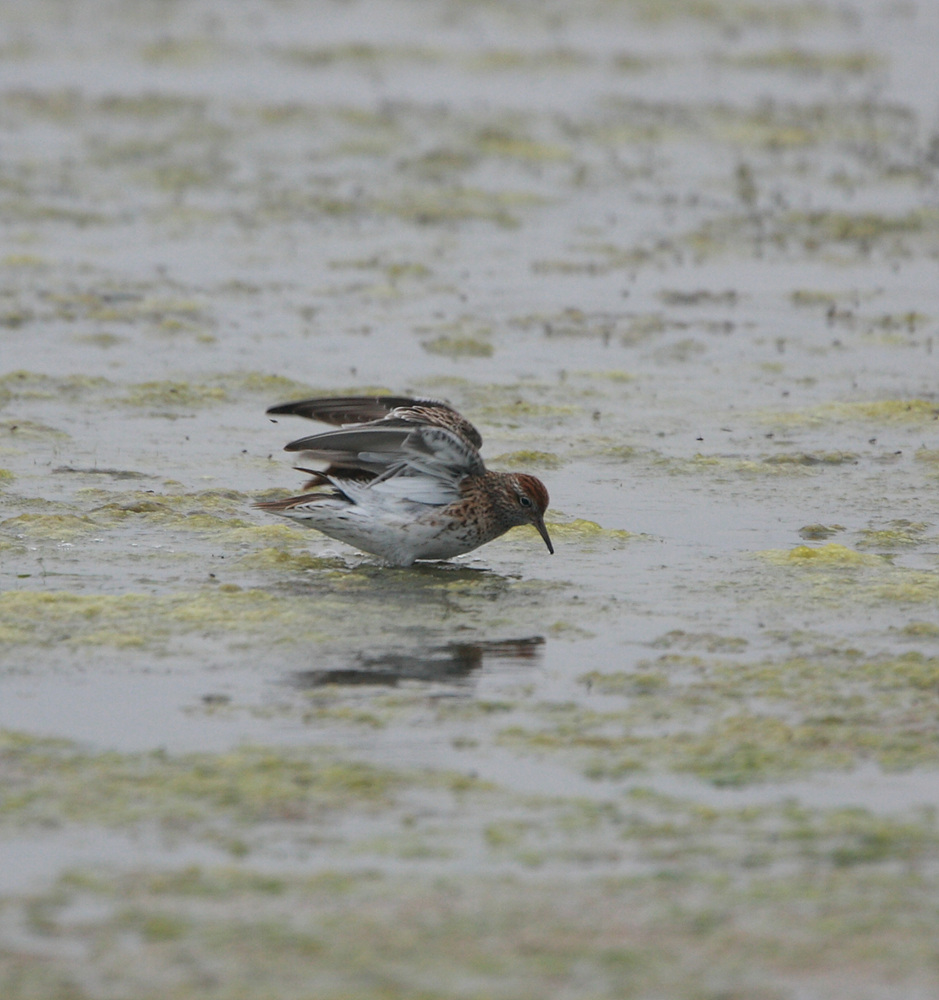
[53, 527]
[722, 466]
[831, 554]
[777, 126]
[103, 340]
[58, 782]
[921, 630]
[905, 586]
[683, 714]
[33, 212]
[356, 53]
[819, 532]
[424, 206]
[812, 298]
[734, 14]
[167, 393]
[837, 574]
[114, 505]
[514, 409]
[526, 458]
[604, 448]
[128, 307]
[883, 411]
[180, 53]
[124, 620]
[779, 464]
[459, 347]
[280, 560]
[459, 204]
[28, 431]
[315, 600]
[13, 319]
[701, 296]
[622, 683]
[560, 58]
[638, 936]
[13, 634]
[321, 711]
[803, 62]
[746, 748]
[812, 458]
[842, 227]
[31, 385]
[711, 642]
[582, 530]
[903, 534]
[841, 236]
[393, 271]
[223, 387]
[145, 106]
[218, 512]
[25, 260]
[572, 322]
[608, 375]
[496, 142]
[888, 410]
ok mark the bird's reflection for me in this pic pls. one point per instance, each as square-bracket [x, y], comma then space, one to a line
[456, 661]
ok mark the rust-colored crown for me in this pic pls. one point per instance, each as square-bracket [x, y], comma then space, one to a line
[535, 488]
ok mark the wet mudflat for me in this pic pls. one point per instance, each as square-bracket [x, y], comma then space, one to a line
[677, 259]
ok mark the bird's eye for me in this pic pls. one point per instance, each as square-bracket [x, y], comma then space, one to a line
[523, 500]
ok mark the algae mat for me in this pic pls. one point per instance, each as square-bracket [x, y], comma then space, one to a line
[677, 259]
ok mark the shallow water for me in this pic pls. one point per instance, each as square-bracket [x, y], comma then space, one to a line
[679, 260]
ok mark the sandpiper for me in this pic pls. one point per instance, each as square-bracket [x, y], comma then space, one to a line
[404, 480]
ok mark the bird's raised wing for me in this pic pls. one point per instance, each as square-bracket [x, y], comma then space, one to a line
[341, 411]
[396, 446]
[420, 462]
